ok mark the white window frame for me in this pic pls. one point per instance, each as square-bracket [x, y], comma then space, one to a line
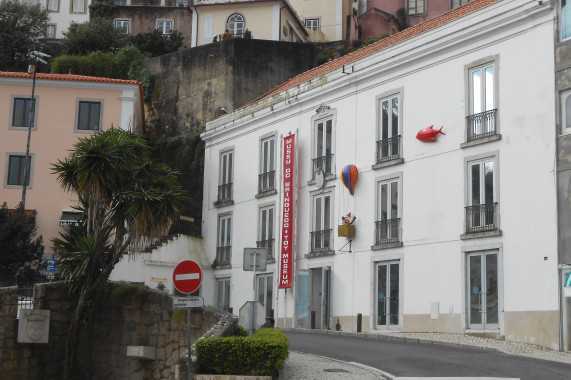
[123, 23]
[78, 103]
[52, 3]
[394, 179]
[266, 231]
[483, 193]
[208, 29]
[264, 279]
[565, 127]
[223, 285]
[565, 20]
[236, 24]
[313, 23]
[226, 171]
[484, 88]
[14, 98]
[162, 26]
[268, 154]
[7, 170]
[324, 114]
[224, 236]
[415, 7]
[81, 6]
[52, 35]
[320, 221]
[389, 97]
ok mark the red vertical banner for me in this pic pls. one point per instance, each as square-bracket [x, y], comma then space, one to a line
[288, 211]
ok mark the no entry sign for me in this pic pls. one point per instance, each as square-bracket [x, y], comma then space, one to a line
[187, 276]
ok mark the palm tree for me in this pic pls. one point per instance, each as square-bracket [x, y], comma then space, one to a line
[127, 201]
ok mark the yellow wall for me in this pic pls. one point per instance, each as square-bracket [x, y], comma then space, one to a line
[326, 11]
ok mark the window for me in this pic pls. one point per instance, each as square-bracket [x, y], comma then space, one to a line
[312, 23]
[16, 170]
[123, 24]
[52, 5]
[482, 290]
[51, 31]
[321, 235]
[388, 143]
[21, 112]
[415, 7]
[235, 25]
[89, 115]
[264, 290]
[223, 294]
[120, 2]
[224, 244]
[78, 6]
[387, 226]
[165, 26]
[566, 112]
[565, 20]
[482, 206]
[266, 233]
[266, 178]
[481, 121]
[458, 3]
[323, 156]
[225, 180]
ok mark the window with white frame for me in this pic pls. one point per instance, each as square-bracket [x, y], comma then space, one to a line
[264, 292]
[323, 148]
[89, 115]
[124, 25]
[565, 20]
[165, 26]
[415, 7]
[235, 25]
[388, 143]
[223, 293]
[16, 169]
[266, 179]
[266, 230]
[224, 243]
[566, 112]
[52, 5]
[387, 226]
[78, 6]
[458, 3]
[225, 176]
[51, 31]
[312, 23]
[321, 235]
[481, 121]
[21, 108]
[482, 206]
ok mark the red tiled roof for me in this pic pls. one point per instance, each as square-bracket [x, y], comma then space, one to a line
[67, 77]
[375, 47]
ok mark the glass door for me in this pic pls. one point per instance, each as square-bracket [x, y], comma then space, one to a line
[483, 298]
[387, 295]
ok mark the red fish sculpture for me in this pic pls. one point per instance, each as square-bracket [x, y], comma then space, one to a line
[429, 134]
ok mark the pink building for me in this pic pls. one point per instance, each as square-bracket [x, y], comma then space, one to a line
[372, 18]
[67, 107]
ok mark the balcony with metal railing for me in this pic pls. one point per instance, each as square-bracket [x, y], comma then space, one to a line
[266, 181]
[482, 217]
[325, 163]
[321, 241]
[269, 244]
[388, 149]
[387, 231]
[224, 193]
[481, 125]
[223, 255]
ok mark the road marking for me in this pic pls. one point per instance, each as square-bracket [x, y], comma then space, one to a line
[187, 276]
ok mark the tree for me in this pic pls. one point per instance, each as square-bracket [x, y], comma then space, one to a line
[19, 252]
[156, 43]
[22, 30]
[128, 200]
[97, 34]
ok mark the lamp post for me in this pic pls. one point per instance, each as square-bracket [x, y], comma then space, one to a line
[37, 57]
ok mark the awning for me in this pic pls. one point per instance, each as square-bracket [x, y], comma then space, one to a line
[69, 218]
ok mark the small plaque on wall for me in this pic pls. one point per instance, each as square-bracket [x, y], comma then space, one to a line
[34, 326]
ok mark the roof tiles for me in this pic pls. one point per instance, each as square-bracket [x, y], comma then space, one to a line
[66, 77]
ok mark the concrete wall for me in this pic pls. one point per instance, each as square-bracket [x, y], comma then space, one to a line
[144, 319]
[195, 84]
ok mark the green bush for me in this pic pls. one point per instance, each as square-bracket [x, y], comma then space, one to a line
[261, 355]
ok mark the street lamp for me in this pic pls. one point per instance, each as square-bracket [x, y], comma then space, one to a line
[37, 57]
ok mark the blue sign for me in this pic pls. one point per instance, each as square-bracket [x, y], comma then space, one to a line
[51, 265]
[568, 281]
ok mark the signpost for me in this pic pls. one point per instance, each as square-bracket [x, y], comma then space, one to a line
[187, 277]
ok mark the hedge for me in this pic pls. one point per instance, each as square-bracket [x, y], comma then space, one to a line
[261, 355]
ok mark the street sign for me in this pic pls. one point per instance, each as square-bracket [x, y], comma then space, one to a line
[257, 256]
[252, 315]
[186, 302]
[187, 276]
[51, 265]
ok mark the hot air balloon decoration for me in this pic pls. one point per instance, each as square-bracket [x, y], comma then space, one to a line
[349, 176]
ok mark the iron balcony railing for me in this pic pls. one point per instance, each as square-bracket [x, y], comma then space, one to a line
[266, 181]
[223, 255]
[481, 125]
[269, 244]
[225, 192]
[387, 231]
[321, 240]
[481, 217]
[324, 163]
[388, 149]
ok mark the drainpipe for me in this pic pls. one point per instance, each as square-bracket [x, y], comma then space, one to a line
[194, 28]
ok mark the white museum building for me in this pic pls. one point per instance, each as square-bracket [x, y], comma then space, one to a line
[453, 232]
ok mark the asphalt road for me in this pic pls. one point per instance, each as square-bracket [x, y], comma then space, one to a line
[427, 360]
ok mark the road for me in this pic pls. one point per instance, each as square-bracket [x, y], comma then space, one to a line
[426, 360]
